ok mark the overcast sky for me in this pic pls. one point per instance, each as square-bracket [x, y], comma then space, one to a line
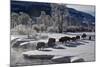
[85, 8]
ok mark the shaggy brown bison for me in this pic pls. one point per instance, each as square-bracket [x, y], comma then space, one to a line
[73, 38]
[83, 35]
[90, 38]
[77, 37]
[51, 42]
[64, 39]
[40, 45]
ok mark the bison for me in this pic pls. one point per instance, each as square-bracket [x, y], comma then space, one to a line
[51, 42]
[77, 37]
[73, 38]
[89, 37]
[64, 39]
[83, 35]
[40, 45]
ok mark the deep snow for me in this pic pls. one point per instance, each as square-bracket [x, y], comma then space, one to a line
[79, 49]
[85, 51]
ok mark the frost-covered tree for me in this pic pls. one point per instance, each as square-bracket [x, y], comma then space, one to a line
[59, 12]
[26, 20]
[14, 19]
[44, 21]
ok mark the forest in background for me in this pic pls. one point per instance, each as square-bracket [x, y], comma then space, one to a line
[59, 21]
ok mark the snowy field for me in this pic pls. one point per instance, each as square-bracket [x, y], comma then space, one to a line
[84, 49]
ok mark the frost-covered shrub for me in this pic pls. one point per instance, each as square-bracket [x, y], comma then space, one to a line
[52, 29]
[36, 27]
[43, 28]
[14, 19]
[22, 30]
[43, 37]
[19, 29]
[34, 36]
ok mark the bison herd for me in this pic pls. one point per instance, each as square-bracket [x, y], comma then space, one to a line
[52, 41]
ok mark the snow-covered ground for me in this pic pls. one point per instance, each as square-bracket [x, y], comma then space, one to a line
[85, 51]
[79, 49]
